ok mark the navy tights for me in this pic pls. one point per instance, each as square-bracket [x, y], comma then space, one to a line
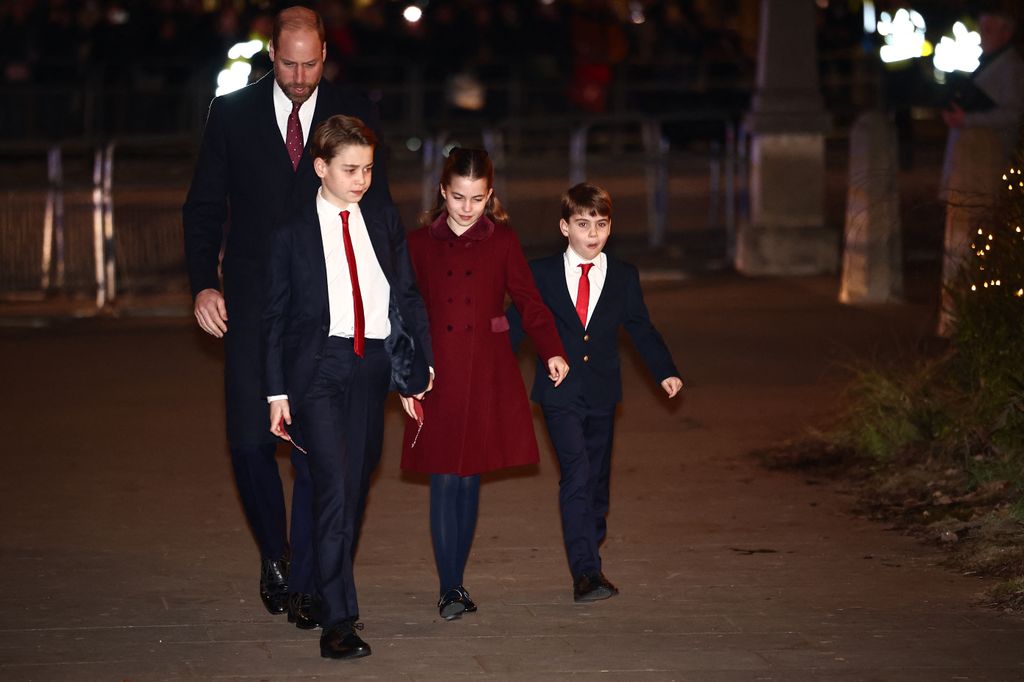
[454, 501]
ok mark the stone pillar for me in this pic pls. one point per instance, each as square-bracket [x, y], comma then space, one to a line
[872, 252]
[786, 232]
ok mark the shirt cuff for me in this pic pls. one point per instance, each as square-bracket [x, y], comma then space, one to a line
[275, 398]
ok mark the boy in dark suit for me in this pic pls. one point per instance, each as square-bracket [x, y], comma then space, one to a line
[343, 322]
[591, 295]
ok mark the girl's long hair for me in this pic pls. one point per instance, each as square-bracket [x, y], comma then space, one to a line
[473, 164]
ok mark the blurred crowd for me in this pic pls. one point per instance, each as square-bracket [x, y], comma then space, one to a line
[574, 45]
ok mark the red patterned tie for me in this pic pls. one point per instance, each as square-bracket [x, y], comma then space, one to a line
[583, 294]
[293, 135]
[358, 339]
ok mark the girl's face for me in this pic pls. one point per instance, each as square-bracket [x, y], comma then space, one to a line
[465, 199]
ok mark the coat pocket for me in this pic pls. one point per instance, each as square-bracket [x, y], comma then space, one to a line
[499, 324]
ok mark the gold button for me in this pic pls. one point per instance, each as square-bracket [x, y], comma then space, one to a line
[586, 358]
[586, 337]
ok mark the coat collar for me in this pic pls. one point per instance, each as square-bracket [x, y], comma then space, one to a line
[439, 229]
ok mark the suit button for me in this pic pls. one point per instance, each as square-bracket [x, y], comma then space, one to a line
[586, 337]
[316, 357]
[586, 358]
[450, 327]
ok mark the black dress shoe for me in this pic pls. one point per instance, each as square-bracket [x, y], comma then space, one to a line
[300, 611]
[341, 641]
[451, 605]
[470, 604]
[592, 586]
[274, 585]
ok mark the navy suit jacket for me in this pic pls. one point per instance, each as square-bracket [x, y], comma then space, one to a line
[297, 317]
[244, 183]
[594, 377]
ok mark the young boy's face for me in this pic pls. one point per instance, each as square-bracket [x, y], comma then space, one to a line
[587, 233]
[347, 176]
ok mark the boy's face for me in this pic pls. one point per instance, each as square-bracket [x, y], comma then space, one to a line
[587, 233]
[347, 176]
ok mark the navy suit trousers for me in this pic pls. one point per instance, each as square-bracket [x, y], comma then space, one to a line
[582, 437]
[341, 424]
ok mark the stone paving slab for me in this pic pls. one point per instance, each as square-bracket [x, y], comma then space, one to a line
[131, 559]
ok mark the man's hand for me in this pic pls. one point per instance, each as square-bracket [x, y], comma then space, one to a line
[672, 386]
[210, 312]
[954, 116]
[557, 369]
[280, 413]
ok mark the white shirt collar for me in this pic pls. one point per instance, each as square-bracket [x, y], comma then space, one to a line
[282, 103]
[573, 260]
[324, 207]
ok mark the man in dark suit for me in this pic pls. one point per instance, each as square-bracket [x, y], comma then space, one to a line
[252, 166]
[343, 321]
[592, 295]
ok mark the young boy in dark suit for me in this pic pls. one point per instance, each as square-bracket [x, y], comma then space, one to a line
[592, 295]
[343, 322]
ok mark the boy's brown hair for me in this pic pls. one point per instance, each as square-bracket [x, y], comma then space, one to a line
[337, 132]
[586, 199]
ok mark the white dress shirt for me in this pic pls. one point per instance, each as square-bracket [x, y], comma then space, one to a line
[373, 285]
[283, 109]
[573, 272]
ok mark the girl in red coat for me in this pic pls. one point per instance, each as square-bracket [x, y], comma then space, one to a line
[477, 418]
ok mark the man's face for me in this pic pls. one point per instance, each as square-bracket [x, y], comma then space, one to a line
[587, 233]
[995, 33]
[347, 176]
[298, 63]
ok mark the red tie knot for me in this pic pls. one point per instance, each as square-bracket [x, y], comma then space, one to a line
[586, 268]
[295, 107]
[344, 218]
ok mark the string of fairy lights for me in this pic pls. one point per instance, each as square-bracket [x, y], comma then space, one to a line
[984, 252]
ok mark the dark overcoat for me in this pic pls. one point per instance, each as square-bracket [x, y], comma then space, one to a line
[477, 418]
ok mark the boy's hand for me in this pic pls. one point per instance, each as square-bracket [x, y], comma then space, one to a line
[409, 406]
[672, 386]
[557, 369]
[280, 414]
[211, 313]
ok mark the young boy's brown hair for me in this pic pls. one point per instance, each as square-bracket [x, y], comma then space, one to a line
[586, 199]
[337, 132]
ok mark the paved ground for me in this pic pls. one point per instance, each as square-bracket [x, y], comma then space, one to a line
[127, 558]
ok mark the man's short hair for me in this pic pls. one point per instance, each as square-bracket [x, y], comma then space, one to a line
[298, 19]
[586, 199]
[337, 132]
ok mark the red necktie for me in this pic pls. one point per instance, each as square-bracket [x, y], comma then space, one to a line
[358, 340]
[293, 136]
[583, 294]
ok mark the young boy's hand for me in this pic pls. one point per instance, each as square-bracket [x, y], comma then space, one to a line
[280, 414]
[672, 385]
[557, 369]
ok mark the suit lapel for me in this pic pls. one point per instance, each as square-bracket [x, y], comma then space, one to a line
[317, 259]
[377, 231]
[267, 127]
[554, 275]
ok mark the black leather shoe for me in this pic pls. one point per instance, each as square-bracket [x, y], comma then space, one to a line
[470, 604]
[592, 586]
[451, 605]
[300, 611]
[274, 585]
[341, 641]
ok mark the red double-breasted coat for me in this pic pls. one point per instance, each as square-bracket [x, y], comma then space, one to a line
[477, 418]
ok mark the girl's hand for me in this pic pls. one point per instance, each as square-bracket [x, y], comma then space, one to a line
[557, 369]
[672, 386]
